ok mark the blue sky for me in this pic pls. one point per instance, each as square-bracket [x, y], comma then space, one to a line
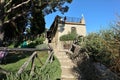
[98, 13]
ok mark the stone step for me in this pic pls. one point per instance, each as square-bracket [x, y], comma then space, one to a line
[65, 60]
[62, 57]
[67, 71]
[61, 54]
[68, 77]
[67, 66]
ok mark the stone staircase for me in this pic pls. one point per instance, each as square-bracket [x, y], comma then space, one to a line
[66, 66]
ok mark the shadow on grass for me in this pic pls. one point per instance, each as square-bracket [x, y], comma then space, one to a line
[16, 56]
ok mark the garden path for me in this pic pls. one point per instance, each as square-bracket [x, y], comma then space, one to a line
[66, 64]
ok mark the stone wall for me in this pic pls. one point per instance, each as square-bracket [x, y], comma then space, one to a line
[66, 28]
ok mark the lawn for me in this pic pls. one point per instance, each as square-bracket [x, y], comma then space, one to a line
[15, 61]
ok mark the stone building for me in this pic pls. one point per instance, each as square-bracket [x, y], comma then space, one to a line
[64, 25]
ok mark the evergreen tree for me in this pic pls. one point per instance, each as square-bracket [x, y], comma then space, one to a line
[13, 15]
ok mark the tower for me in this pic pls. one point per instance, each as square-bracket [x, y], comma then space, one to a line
[82, 20]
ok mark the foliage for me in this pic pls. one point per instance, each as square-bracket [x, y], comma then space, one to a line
[68, 37]
[104, 47]
[14, 15]
[37, 23]
[96, 46]
[27, 43]
[42, 46]
[37, 41]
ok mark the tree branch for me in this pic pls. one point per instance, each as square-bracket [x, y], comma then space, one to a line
[15, 17]
[18, 6]
[8, 3]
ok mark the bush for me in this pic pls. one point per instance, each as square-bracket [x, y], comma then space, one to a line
[42, 46]
[23, 43]
[68, 37]
[104, 47]
[37, 41]
[96, 47]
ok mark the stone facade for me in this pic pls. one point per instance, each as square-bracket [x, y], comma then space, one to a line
[65, 25]
[67, 28]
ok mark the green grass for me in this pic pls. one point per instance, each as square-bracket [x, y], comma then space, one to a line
[12, 67]
[51, 71]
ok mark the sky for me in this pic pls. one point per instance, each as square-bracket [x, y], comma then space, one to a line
[98, 14]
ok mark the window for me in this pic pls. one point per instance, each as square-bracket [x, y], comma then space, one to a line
[73, 29]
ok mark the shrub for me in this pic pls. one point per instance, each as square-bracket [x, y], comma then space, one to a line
[68, 37]
[104, 47]
[37, 41]
[42, 46]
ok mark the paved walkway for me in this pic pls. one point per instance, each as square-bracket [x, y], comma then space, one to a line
[66, 64]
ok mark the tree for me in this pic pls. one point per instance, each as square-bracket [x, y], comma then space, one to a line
[13, 15]
[104, 46]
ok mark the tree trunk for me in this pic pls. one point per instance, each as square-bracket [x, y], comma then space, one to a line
[1, 18]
